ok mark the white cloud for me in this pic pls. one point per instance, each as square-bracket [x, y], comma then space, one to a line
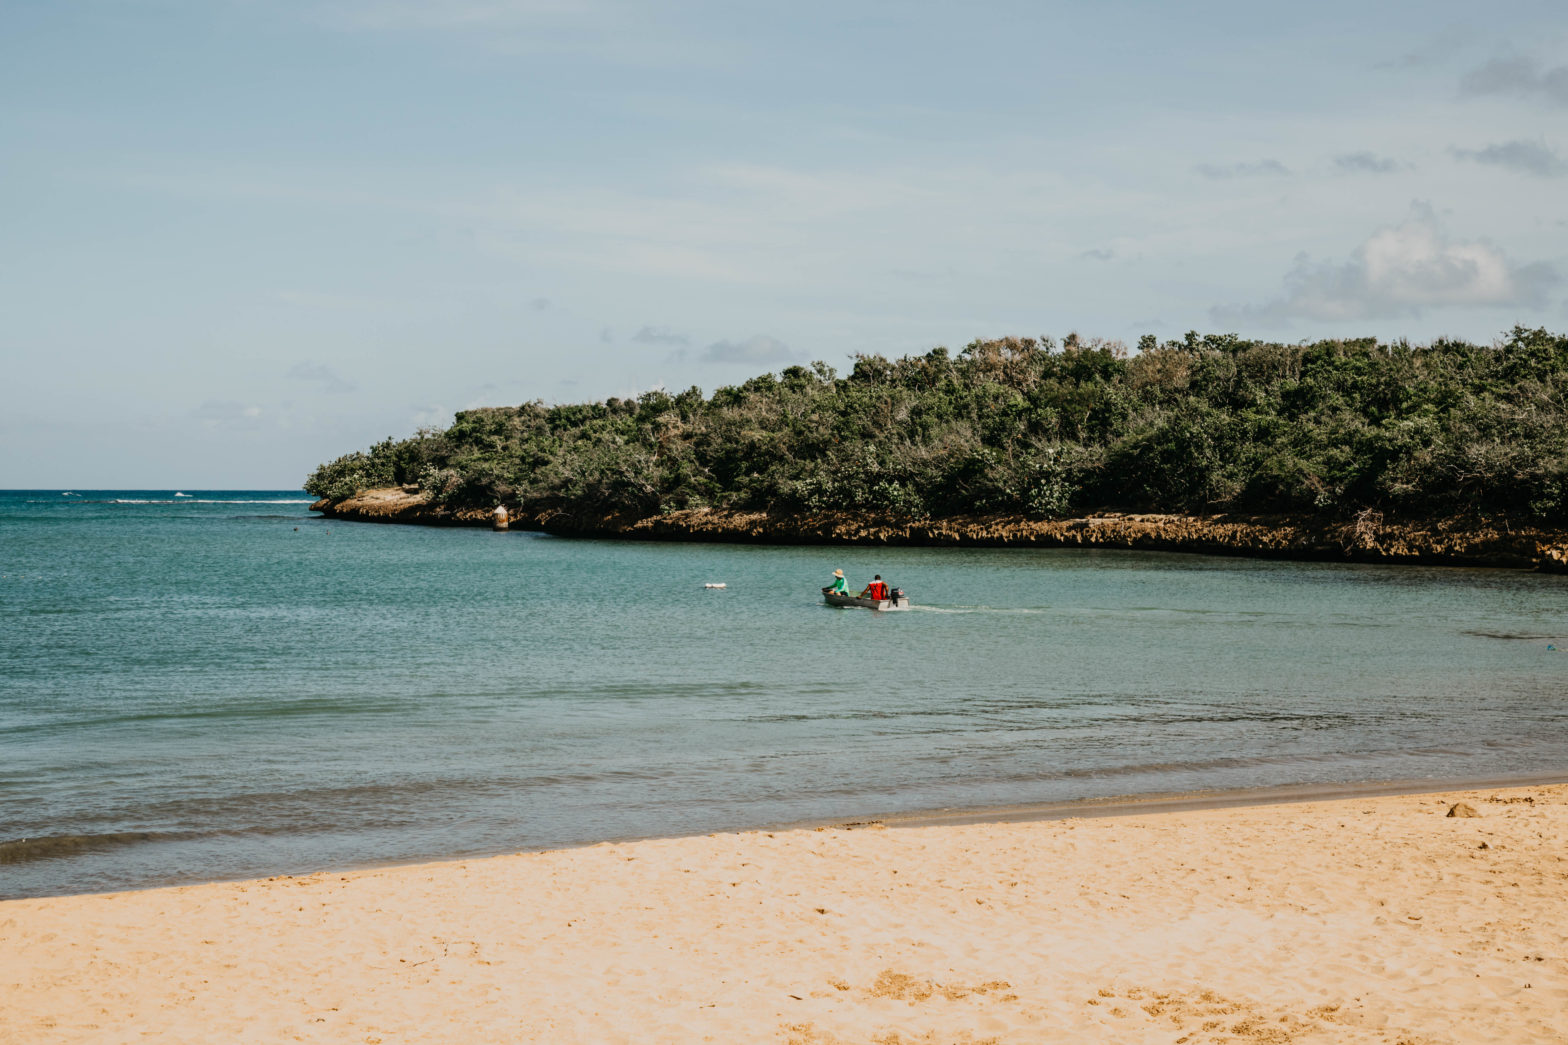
[1223, 171]
[1526, 157]
[228, 414]
[328, 378]
[1400, 270]
[759, 348]
[436, 416]
[1366, 163]
[660, 336]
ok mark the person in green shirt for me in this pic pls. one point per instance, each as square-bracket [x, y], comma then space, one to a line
[840, 586]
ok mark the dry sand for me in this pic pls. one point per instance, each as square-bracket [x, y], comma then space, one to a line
[1359, 920]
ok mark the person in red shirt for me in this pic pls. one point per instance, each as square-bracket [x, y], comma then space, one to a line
[875, 590]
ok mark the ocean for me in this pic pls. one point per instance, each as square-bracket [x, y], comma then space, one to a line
[201, 685]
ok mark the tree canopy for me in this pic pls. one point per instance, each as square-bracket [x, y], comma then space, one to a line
[1031, 427]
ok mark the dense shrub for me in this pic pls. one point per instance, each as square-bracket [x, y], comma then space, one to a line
[1016, 425]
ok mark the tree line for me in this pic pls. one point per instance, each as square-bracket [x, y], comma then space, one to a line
[1028, 426]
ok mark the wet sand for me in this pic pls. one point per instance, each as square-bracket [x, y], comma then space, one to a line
[1357, 919]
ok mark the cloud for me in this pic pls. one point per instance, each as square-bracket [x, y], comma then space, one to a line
[1400, 270]
[759, 348]
[1099, 254]
[539, 304]
[477, 16]
[1263, 168]
[1366, 163]
[228, 414]
[660, 336]
[1518, 75]
[325, 375]
[431, 416]
[594, 29]
[1526, 157]
[1434, 51]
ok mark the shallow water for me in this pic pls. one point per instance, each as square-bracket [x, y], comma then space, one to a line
[220, 685]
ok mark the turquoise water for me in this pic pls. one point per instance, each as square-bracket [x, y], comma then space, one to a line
[222, 685]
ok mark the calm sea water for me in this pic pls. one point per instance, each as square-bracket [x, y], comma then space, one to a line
[221, 685]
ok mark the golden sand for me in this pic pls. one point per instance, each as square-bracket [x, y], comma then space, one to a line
[1355, 920]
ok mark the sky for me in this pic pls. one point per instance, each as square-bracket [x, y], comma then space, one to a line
[242, 237]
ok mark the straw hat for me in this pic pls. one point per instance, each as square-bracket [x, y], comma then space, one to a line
[838, 573]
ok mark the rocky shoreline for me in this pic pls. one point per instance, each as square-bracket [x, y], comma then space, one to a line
[1368, 538]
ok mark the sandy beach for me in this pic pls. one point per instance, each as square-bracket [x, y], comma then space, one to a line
[1371, 919]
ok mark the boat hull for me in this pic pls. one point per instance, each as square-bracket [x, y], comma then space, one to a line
[884, 605]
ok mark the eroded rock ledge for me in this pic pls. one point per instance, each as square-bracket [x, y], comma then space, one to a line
[1369, 538]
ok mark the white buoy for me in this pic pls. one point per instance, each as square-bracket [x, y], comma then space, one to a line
[710, 584]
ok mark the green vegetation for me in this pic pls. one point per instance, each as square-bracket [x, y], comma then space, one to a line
[1022, 426]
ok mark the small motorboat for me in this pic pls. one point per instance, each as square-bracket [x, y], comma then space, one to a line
[896, 600]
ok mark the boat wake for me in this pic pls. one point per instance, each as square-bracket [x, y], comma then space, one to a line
[1032, 610]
